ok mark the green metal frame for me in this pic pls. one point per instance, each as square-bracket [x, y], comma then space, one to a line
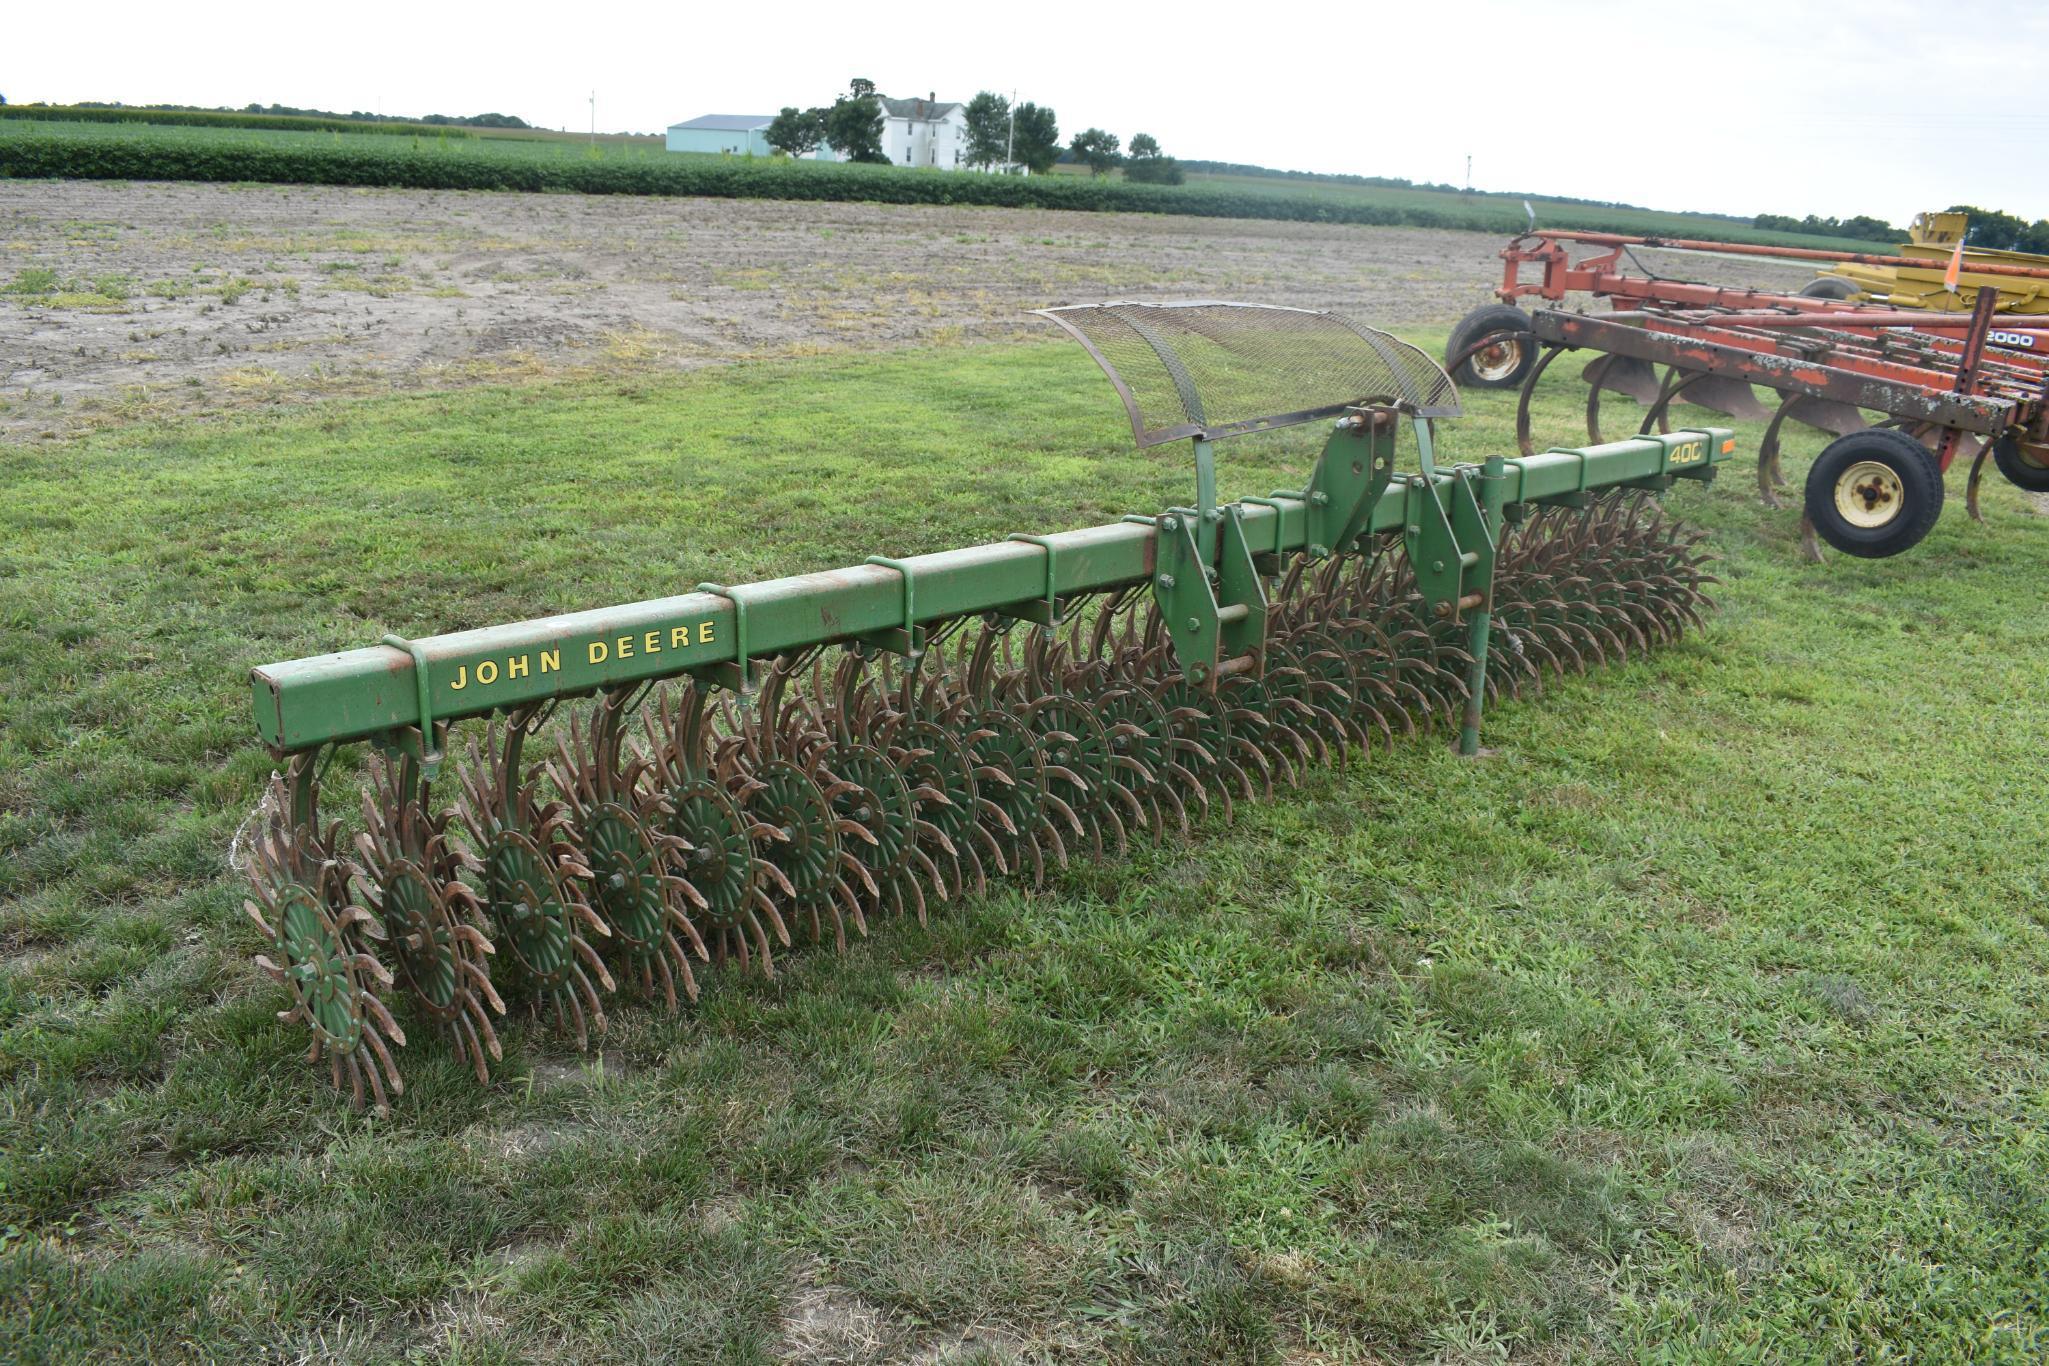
[1204, 564]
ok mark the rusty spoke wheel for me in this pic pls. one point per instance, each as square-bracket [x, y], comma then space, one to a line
[411, 875]
[322, 944]
[533, 882]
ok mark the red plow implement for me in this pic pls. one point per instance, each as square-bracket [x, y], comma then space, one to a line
[1904, 393]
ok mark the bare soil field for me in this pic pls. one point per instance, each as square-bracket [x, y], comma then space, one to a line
[121, 302]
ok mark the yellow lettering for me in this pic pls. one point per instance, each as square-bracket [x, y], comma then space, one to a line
[518, 668]
[624, 645]
[551, 660]
[651, 643]
[487, 672]
[462, 678]
[704, 633]
[679, 636]
[598, 651]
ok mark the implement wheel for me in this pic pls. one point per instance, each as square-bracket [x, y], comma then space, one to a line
[1830, 287]
[2024, 463]
[1874, 493]
[1491, 348]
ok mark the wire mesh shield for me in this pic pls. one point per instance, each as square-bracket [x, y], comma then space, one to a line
[1210, 369]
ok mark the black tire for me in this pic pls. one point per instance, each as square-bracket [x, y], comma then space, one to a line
[1874, 493]
[1830, 287]
[1490, 370]
[2025, 467]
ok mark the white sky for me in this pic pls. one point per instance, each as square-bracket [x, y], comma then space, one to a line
[1799, 106]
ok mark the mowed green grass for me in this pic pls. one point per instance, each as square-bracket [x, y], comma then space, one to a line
[1703, 1020]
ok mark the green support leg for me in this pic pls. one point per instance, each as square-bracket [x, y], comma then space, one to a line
[1480, 626]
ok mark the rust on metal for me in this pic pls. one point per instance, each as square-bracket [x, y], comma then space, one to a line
[1898, 395]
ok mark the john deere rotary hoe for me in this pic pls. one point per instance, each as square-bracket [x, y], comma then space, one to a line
[790, 761]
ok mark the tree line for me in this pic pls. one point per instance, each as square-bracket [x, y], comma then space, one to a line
[290, 112]
[1999, 231]
[1992, 229]
[1863, 227]
[1027, 136]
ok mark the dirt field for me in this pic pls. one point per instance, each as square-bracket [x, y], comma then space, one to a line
[120, 302]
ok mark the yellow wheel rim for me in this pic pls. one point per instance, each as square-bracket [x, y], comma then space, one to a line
[1869, 494]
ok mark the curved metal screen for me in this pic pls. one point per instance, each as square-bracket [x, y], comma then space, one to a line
[1210, 369]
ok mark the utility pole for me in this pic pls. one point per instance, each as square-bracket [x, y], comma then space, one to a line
[1010, 138]
[1469, 173]
[594, 120]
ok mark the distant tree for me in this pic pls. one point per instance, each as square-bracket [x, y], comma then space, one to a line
[1867, 228]
[1097, 148]
[854, 124]
[2036, 239]
[1861, 226]
[797, 132]
[1148, 166]
[1990, 228]
[988, 116]
[1036, 145]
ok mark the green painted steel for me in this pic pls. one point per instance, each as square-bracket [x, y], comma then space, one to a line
[359, 694]
[1480, 625]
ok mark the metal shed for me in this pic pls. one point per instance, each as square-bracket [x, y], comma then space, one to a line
[736, 134]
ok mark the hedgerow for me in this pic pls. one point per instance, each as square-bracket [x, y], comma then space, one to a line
[36, 156]
[428, 162]
[208, 118]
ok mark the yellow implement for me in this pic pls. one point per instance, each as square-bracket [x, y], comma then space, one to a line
[1917, 282]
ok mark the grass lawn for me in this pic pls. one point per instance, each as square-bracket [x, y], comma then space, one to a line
[1705, 1020]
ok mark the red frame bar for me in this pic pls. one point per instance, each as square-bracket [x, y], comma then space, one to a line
[1914, 366]
[1619, 240]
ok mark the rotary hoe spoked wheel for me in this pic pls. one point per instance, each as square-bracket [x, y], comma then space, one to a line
[410, 874]
[705, 794]
[322, 941]
[618, 826]
[943, 779]
[533, 883]
[791, 792]
[880, 798]
[1211, 750]
[725, 825]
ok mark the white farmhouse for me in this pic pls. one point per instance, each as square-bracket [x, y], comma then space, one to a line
[925, 132]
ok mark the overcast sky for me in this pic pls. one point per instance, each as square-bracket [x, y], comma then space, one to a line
[1881, 106]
